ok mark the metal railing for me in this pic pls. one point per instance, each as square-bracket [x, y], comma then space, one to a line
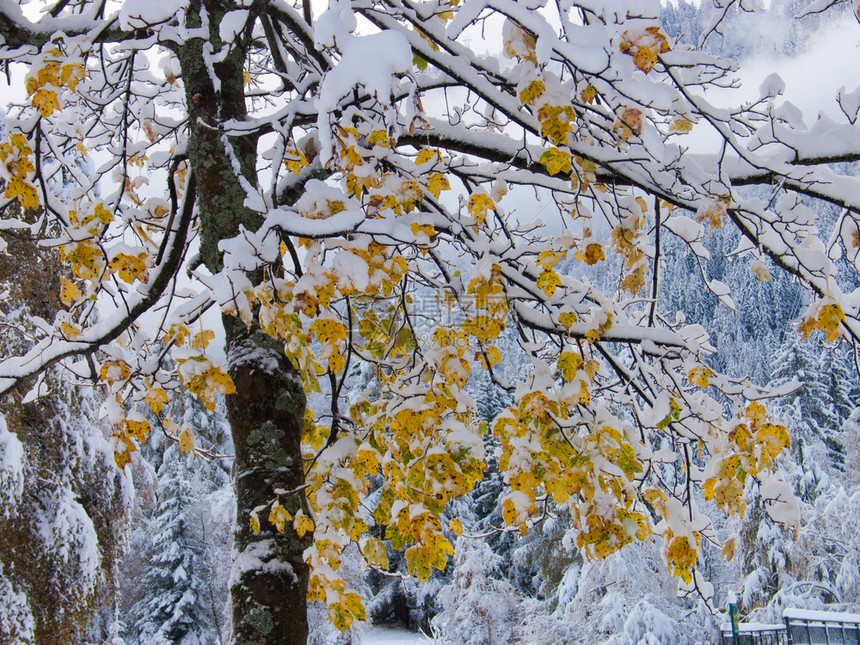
[802, 627]
[806, 627]
[756, 634]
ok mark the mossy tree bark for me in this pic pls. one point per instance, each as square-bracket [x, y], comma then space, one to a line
[270, 578]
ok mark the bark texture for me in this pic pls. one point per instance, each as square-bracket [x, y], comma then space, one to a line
[270, 578]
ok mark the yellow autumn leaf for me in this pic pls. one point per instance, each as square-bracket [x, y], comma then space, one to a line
[436, 183]
[425, 229]
[712, 212]
[223, 382]
[71, 74]
[479, 204]
[830, 319]
[302, 524]
[569, 364]
[379, 138]
[728, 551]
[425, 155]
[589, 94]
[279, 516]
[23, 191]
[592, 254]
[295, 160]
[699, 376]
[634, 281]
[374, 552]
[531, 92]
[69, 292]
[113, 371]
[644, 45]
[629, 123]
[202, 339]
[46, 101]
[645, 58]
[138, 429]
[130, 267]
[122, 450]
[255, 523]
[567, 319]
[681, 125]
[186, 441]
[156, 398]
[760, 270]
[70, 331]
[456, 526]
[548, 281]
[556, 161]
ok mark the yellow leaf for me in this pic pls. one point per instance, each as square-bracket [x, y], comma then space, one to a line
[592, 255]
[829, 320]
[728, 551]
[302, 524]
[123, 449]
[556, 161]
[353, 604]
[417, 564]
[634, 281]
[645, 58]
[23, 191]
[589, 94]
[71, 74]
[699, 376]
[493, 355]
[712, 212]
[479, 204]
[548, 281]
[556, 122]
[186, 441]
[46, 101]
[425, 155]
[379, 138]
[437, 183]
[340, 616]
[279, 516]
[456, 526]
[629, 124]
[374, 552]
[138, 429]
[295, 160]
[70, 331]
[569, 364]
[532, 92]
[567, 319]
[644, 45]
[69, 292]
[681, 125]
[255, 523]
[202, 339]
[222, 381]
[114, 370]
[156, 398]
[130, 267]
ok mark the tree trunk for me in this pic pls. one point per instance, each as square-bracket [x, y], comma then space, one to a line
[270, 578]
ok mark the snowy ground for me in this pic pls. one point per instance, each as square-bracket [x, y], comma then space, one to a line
[389, 636]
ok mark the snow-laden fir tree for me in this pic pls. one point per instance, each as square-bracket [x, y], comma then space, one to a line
[172, 610]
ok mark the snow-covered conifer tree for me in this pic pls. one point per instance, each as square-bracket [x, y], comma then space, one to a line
[172, 611]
